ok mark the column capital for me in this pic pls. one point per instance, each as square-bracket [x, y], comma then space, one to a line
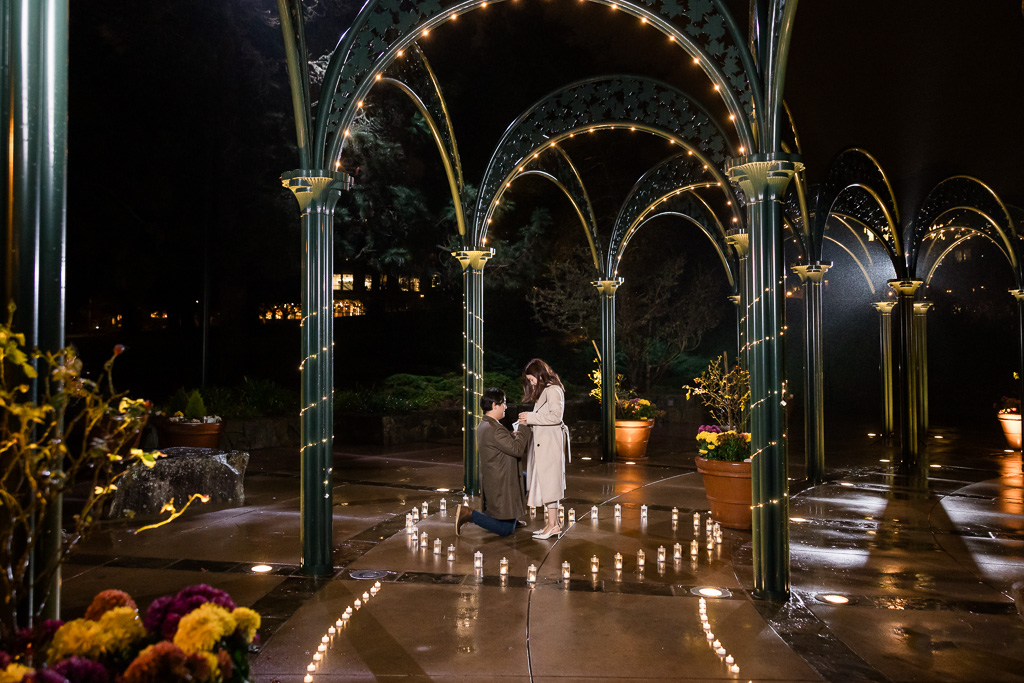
[473, 259]
[607, 287]
[812, 272]
[739, 240]
[922, 307]
[735, 298]
[905, 287]
[1018, 294]
[883, 307]
[312, 185]
[755, 173]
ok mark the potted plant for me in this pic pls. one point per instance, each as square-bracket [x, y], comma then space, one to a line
[634, 418]
[190, 425]
[1009, 420]
[723, 458]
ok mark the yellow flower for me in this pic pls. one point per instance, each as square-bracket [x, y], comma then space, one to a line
[248, 621]
[201, 628]
[81, 637]
[121, 627]
[14, 673]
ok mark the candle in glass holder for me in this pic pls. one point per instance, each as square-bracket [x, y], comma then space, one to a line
[308, 678]
[437, 546]
[366, 597]
[503, 566]
[415, 514]
[729, 659]
[426, 509]
[478, 559]
[720, 652]
[321, 649]
[618, 511]
[734, 669]
[717, 528]
[711, 543]
[661, 553]
[693, 547]
[348, 611]
[376, 584]
[317, 656]
[373, 590]
[643, 513]
[706, 626]
[717, 644]
[595, 564]
[561, 514]
[677, 551]
[331, 631]
[531, 574]
[357, 604]
[718, 538]
[533, 511]
[710, 635]
[409, 524]
[444, 505]
[565, 570]
[572, 515]
[311, 668]
[423, 539]
[675, 514]
[696, 521]
[618, 560]
[593, 513]
[451, 553]
[641, 556]
[324, 640]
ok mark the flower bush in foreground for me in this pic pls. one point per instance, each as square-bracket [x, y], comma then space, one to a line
[729, 445]
[196, 635]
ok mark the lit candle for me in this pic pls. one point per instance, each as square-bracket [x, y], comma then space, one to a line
[503, 566]
[478, 559]
[311, 668]
[357, 604]
[308, 679]
[618, 560]
[718, 538]
[348, 611]
[675, 514]
[325, 640]
[366, 597]
[531, 574]
[444, 505]
[705, 625]
[711, 543]
[572, 515]
[338, 622]
[593, 513]
[703, 602]
[437, 546]
[710, 635]
[717, 528]
[321, 648]
[643, 513]
[677, 551]
[729, 659]
[640, 557]
[661, 553]
[618, 511]
[415, 514]
[693, 547]
[409, 524]
[332, 631]
[533, 511]
[565, 570]
[595, 564]
[426, 509]
[696, 521]
[376, 584]
[317, 656]
[561, 514]
[423, 539]
[735, 668]
[717, 644]
[451, 553]
[373, 590]
[720, 652]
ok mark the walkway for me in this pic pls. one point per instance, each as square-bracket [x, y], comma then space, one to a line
[928, 575]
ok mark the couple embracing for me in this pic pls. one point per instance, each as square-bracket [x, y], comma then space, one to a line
[542, 438]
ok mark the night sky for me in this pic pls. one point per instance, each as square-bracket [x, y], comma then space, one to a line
[180, 123]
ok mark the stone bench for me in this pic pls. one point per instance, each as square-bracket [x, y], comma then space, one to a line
[219, 474]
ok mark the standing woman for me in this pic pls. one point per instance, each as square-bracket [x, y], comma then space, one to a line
[545, 469]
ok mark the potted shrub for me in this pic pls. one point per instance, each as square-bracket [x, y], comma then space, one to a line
[1009, 420]
[190, 425]
[723, 458]
[634, 419]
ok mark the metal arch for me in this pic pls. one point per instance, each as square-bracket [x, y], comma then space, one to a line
[963, 231]
[957, 241]
[565, 176]
[703, 28]
[412, 75]
[677, 174]
[863, 270]
[846, 221]
[856, 167]
[624, 102]
[967, 194]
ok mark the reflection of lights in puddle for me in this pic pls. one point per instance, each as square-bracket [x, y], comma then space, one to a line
[630, 462]
[585, 457]
[883, 460]
[939, 436]
[798, 520]
[845, 483]
[261, 568]
[443, 490]
[835, 599]
[872, 434]
[711, 592]
[936, 466]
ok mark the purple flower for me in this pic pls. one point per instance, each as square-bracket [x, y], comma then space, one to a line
[164, 613]
[45, 676]
[5, 660]
[710, 428]
[82, 670]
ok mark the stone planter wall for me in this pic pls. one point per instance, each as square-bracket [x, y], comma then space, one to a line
[390, 430]
[260, 432]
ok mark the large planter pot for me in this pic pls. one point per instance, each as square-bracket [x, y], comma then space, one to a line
[190, 434]
[1010, 423]
[727, 485]
[631, 438]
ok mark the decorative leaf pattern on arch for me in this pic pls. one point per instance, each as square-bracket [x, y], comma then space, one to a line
[600, 102]
[384, 26]
[661, 185]
[965, 204]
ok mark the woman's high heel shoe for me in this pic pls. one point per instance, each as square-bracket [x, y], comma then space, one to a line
[542, 536]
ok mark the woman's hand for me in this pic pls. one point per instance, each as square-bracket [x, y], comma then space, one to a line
[522, 418]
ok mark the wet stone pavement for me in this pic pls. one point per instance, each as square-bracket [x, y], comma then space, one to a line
[927, 575]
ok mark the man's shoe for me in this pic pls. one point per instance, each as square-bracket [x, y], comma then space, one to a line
[463, 514]
[520, 523]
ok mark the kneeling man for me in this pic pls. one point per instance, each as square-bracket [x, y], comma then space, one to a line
[501, 471]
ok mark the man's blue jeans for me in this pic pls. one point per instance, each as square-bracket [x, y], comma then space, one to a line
[502, 527]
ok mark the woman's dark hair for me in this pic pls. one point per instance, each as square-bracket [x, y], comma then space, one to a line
[545, 378]
[490, 397]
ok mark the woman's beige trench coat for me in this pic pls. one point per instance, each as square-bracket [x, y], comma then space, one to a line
[545, 468]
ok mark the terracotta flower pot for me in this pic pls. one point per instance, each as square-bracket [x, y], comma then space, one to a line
[1010, 423]
[190, 434]
[631, 438]
[727, 485]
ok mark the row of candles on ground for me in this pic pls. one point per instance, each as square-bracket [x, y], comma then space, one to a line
[327, 640]
[715, 530]
[716, 644]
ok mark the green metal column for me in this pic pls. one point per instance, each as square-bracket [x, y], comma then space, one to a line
[740, 241]
[763, 179]
[884, 309]
[606, 290]
[473, 263]
[909, 464]
[921, 309]
[317, 194]
[34, 53]
[814, 384]
[1018, 294]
